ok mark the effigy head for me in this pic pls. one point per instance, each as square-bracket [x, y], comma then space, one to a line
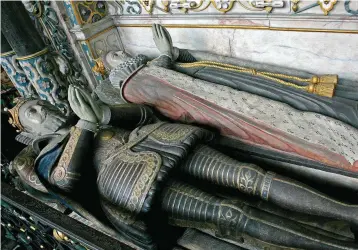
[37, 117]
[114, 58]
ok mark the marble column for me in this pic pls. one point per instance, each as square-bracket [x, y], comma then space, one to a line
[33, 55]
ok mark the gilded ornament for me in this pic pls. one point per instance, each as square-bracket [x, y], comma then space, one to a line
[58, 235]
[14, 120]
[148, 5]
[295, 5]
[166, 5]
[106, 134]
[99, 67]
[327, 5]
[322, 89]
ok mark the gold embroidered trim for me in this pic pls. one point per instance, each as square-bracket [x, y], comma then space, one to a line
[60, 172]
[141, 187]
[170, 134]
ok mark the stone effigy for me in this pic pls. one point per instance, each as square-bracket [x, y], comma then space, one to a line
[253, 108]
[137, 176]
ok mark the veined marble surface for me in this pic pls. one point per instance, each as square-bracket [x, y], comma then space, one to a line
[320, 53]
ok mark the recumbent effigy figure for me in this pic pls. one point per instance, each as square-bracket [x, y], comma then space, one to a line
[137, 177]
[289, 119]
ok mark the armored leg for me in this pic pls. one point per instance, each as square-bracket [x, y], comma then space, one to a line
[208, 164]
[190, 207]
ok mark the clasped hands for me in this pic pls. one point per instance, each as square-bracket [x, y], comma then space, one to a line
[83, 105]
[163, 40]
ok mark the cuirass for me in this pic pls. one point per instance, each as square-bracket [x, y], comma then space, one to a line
[130, 175]
[107, 141]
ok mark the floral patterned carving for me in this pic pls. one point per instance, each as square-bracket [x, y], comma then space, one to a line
[48, 24]
[247, 180]
[134, 8]
[348, 9]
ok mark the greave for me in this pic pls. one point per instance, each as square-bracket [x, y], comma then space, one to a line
[208, 164]
[189, 207]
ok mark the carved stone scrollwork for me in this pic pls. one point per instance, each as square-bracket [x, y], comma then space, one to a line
[348, 9]
[135, 7]
[48, 24]
[41, 70]
[131, 7]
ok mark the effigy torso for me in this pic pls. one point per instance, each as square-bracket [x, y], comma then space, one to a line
[245, 117]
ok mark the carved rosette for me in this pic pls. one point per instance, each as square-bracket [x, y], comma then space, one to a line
[17, 75]
[43, 73]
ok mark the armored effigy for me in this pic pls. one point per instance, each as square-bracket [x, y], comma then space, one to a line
[300, 122]
[140, 189]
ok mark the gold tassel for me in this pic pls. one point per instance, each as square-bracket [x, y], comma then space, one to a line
[322, 89]
[329, 79]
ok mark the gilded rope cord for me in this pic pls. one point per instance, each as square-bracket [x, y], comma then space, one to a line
[316, 85]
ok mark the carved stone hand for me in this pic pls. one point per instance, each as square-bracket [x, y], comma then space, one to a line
[80, 106]
[162, 40]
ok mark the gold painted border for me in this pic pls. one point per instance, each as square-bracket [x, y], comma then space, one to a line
[101, 32]
[75, 11]
[88, 40]
[77, 14]
[39, 53]
[205, 26]
[8, 53]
